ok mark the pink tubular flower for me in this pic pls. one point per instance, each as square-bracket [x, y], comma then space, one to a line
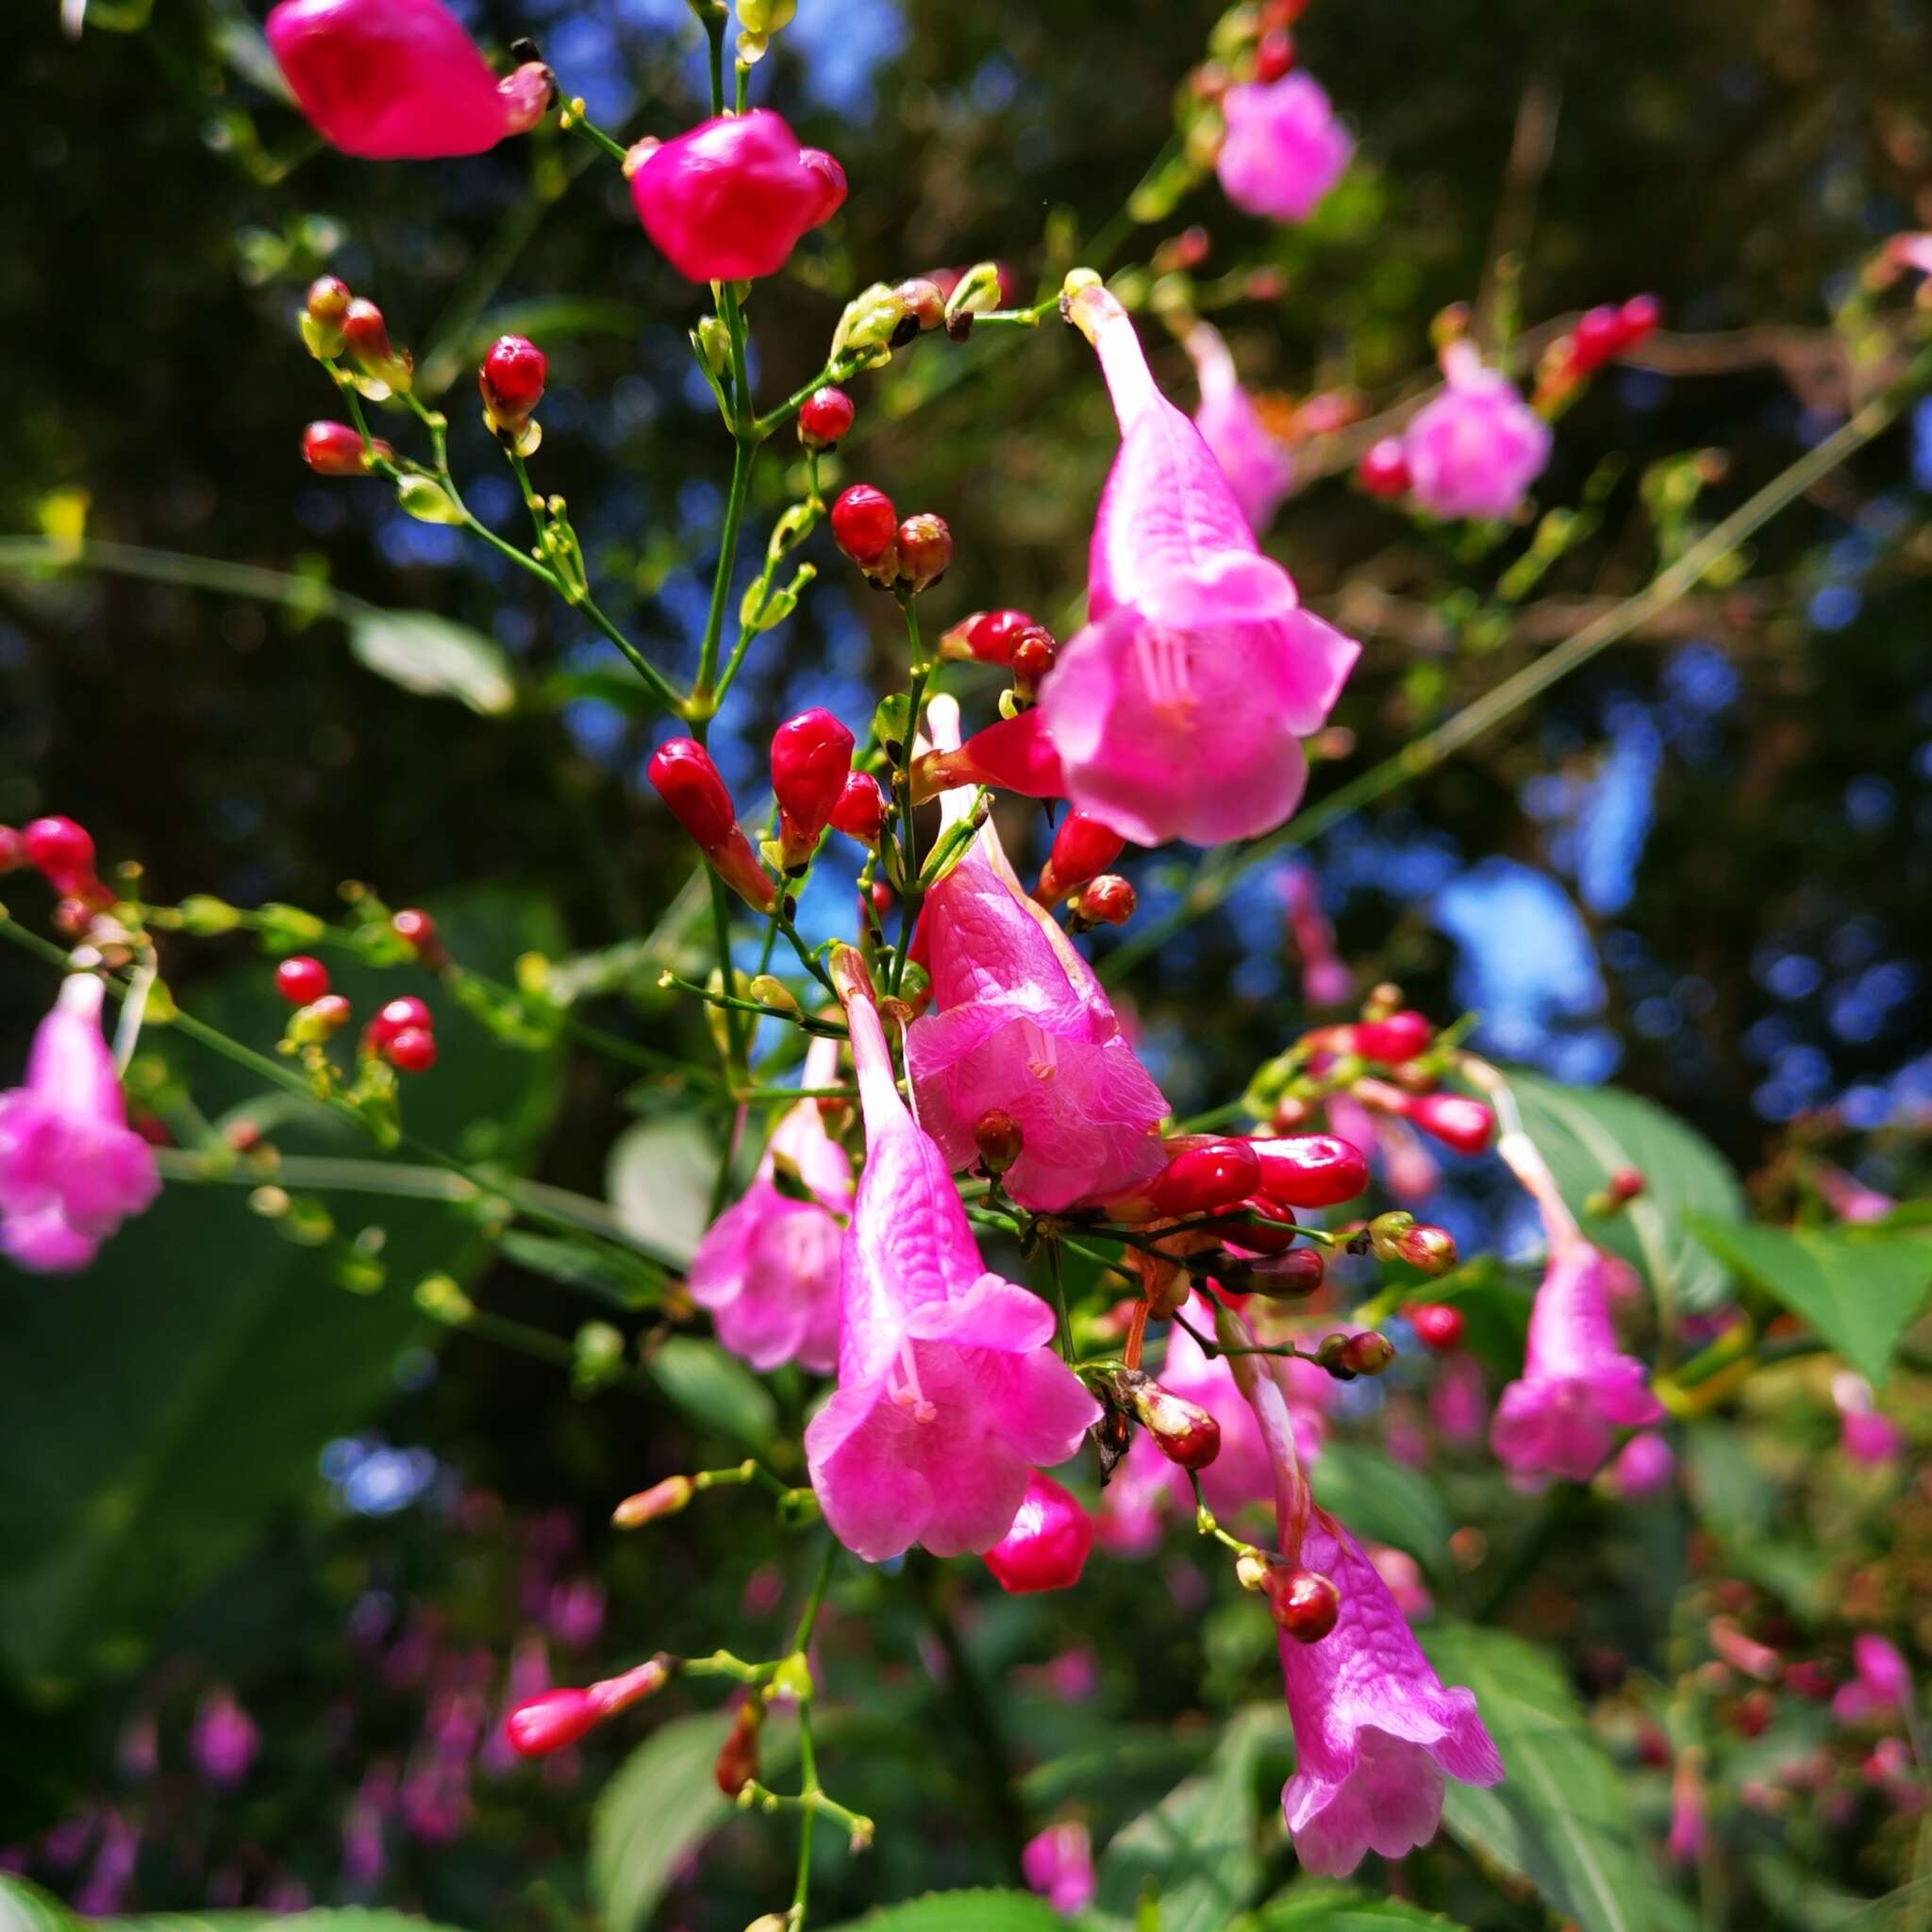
[1575, 1389]
[225, 1738]
[950, 1392]
[1477, 447]
[730, 200]
[767, 1267]
[1049, 1544]
[71, 1170]
[1258, 470]
[1689, 1822]
[1866, 1436]
[1376, 1732]
[1178, 711]
[1645, 1465]
[398, 80]
[1059, 1865]
[1019, 1025]
[1883, 1683]
[1284, 150]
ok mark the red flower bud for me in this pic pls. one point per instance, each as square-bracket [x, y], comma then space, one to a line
[335, 449]
[1431, 1249]
[1437, 1325]
[864, 524]
[415, 928]
[13, 849]
[689, 783]
[1083, 848]
[661, 1499]
[998, 1137]
[553, 1721]
[1598, 336]
[301, 980]
[1015, 755]
[987, 636]
[398, 1016]
[1216, 1174]
[737, 1757]
[1367, 1354]
[1458, 1120]
[925, 548]
[511, 379]
[1640, 317]
[1274, 55]
[328, 299]
[860, 812]
[367, 335]
[1109, 900]
[1627, 1183]
[826, 420]
[61, 849]
[412, 1050]
[1384, 470]
[1288, 1278]
[1393, 1039]
[1183, 1431]
[1306, 1604]
[811, 759]
[1311, 1170]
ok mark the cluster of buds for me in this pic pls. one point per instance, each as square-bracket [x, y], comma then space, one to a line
[908, 556]
[683, 777]
[62, 852]
[811, 768]
[403, 1034]
[558, 1719]
[1083, 848]
[886, 316]
[1367, 1352]
[1012, 640]
[1601, 335]
[511, 380]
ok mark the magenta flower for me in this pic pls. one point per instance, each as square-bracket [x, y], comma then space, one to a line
[1575, 1389]
[1284, 148]
[1178, 711]
[225, 1738]
[1883, 1683]
[71, 1170]
[950, 1393]
[1049, 1544]
[1059, 1865]
[1865, 1434]
[1477, 447]
[1022, 1026]
[730, 200]
[1258, 470]
[1689, 1822]
[1645, 1465]
[1459, 1403]
[767, 1267]
[399, 80]
[1376, 1732]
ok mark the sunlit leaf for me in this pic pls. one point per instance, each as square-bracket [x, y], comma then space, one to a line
[435, 659]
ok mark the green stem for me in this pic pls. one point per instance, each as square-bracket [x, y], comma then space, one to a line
[909, 831]
[571, 122]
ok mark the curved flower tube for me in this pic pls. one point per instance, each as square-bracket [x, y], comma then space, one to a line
[950, 1393]
[399, 80]
[1178, 711]
[1259, 469]
[71, 1170]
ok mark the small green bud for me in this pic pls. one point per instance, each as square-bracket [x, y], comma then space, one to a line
[441, 1300]
[203, 916]
[428, 501]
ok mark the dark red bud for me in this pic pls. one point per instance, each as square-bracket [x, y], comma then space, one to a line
[860, 812]
[738, 1758]
[1216, 1174]
[412, 1051]
[998, 1137]
[1393, 1039]
[1306, 1604]
[689, 782]
[925, 548]
[826, 420]
[811, 759]
[367, 335]
[987, 636]
[61, 849]
[1281, 1277]
[330, 1012]
[1311, 1170]
[1033, 655]
[512, 380]
[1437, 1325]
[335, 449]
[1273, 1231]
[1109, 900]
[415, 928]
[1627, 1183]
[301, 980]
[864, 524]
[1458, 1120]
[1384, 470]
[922, 302]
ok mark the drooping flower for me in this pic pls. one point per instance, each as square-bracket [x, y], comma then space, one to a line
[730, 199]
[1284, 150]
[1883, 1682]
[1866, 1434]
[950, 1393]
[71, 1170]
[399, 79]
[1376, 1734]
[1477, 447]
[1021, 1026]
[1049, 1544]
[767, 1267]
[1059, 1865]
[1178, 711]
[1576, 1390]
[1258, 467]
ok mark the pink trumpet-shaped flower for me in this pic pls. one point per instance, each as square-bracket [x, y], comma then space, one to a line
[1178, 711]
[1022, 1026]
[1284, 149]
[1376, 1732]
[399, 79]
[1576, 1389]
[71, 1170]
[1883, 1682]
[1258, 470]
[1049, 1544]
[730, 200]
[767, 1267]
[1059, 1865]
[950, 1392]
[1866, 1435]
[1477, 447]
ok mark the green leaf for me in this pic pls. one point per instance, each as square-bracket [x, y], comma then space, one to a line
[26, 1907]
[659, 1177]
[1196, 1848]
[1859, 1288]
[1320, 1906]
[660, 1806]
[715, 1390]
[1588, 1133]
[1383, 1501]
[163, 1404]
[1561, 1817]
[963, 1911]
[435, 659]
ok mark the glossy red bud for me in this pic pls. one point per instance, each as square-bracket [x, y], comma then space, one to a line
[1367, 1354]
[1437, 1325]
[826, 420]
[335, 449]
[1384, 470]
[926, 549]
[1216, 1174]
[1311, 1170]
[1288, 1278]
[1049, 1544]
[1306, 1604]
[864, 524]
[738, 1757]
[412, 1050]
[1431, 1249]
[301, 980]
[860, 811]
[688, 781]
[811, 759]
[1458, 1120]
[60, 848]
[1273, 1230]
[1082, 849]
[1274, 55]
[1391, 1040]
[1109, 900]
[415, 928]
[987, 636]
[400, 1016]
[1183, 1431]
[553, 1721]
[512, 378]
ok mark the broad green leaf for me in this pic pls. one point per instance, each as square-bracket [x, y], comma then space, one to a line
[1320, 1906]
[1588, 1133]
[1196, 1849]
[1383, 1501]
[715, 1390]
[659, 1177]
[26, 1907]
[660, 1806]
[963, 1911]
[435, 659]
[1859, 1288]
[1561, 1817]
[162, 1406]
